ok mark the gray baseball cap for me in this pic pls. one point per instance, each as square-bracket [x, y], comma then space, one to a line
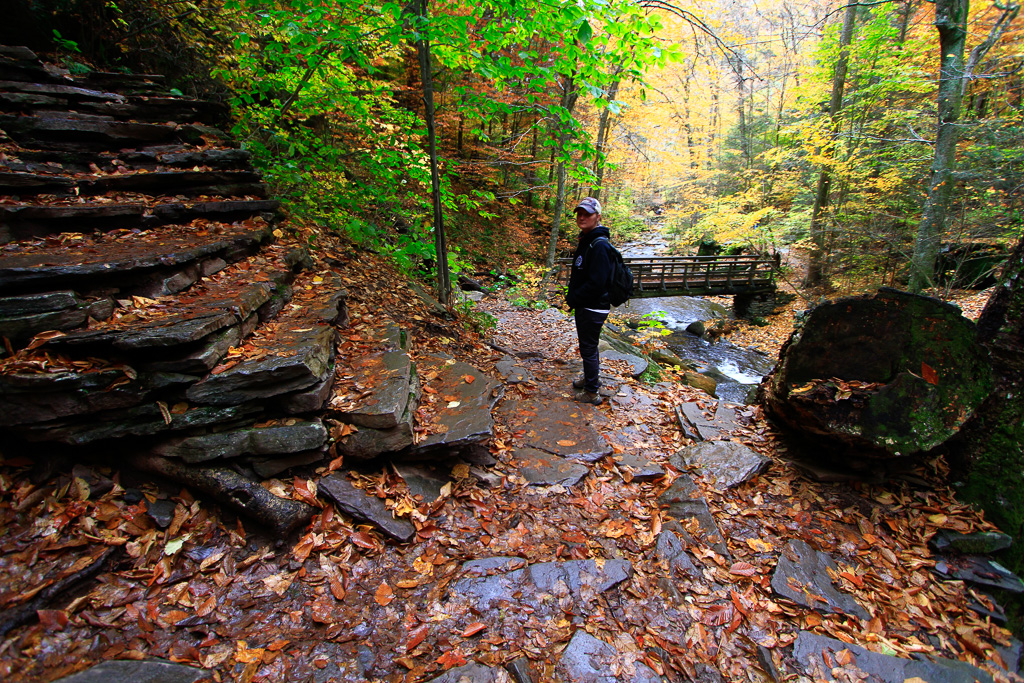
[588, 204]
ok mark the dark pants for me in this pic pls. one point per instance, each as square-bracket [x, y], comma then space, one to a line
[588, 330]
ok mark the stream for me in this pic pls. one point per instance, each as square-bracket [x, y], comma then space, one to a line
[736, 369]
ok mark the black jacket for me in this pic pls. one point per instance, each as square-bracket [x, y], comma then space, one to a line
[591, 273]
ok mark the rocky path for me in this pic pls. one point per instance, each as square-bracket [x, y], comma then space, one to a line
[236, 459]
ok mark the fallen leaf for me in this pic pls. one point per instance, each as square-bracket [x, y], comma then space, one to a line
[384, 594]
[566, 442]
[416, 636]
[473, 629]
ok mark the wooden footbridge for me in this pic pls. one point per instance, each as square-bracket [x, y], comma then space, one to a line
[659, 276]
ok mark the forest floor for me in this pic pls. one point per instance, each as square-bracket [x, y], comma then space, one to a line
[342, 602]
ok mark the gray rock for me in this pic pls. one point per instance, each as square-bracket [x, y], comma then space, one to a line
[271, 467]
[669, 549]
[696, 328]
[724, 463]
[547, 423]
[423, 480]
[977, 543]
[387, 376]
[308, 400]
[520, 670]
[980, 571]
[202, 360]
[512, 373]
[588, 659]
[703, 425]
[355, 503]
[474, 673]
[470, 421]
[133, 671]
[808, 649]
[161, 511]
[640, 469]
[260, 441]
[684, 500]
[513, 580]
[30, 304]
[637, 364]
[366, 443]
[803, 572]
[307, 362]
[544, 469]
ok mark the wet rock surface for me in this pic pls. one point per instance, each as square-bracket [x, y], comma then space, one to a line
[723, 463]
[355, 502]
[587, 658]
[804, 575]
[559, 427]
[146, 671]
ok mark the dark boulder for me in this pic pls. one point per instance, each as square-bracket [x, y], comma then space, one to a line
[893, 374]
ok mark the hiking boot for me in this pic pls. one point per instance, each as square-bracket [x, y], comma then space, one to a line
[590, 397]
[579, 383]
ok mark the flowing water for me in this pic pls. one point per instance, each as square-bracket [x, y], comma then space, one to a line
[736, 369]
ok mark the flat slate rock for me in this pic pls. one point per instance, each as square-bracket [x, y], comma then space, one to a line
[260, 441]
[637, 364]
[639, 469]
[705, 427]
[514, 582]
[474, 673]
[980, 571]
[470, 420]
[684, 500]
[540, 468]
[809, 647]
[724, 464]
[387, 379]
[300, 359]
[137, 671]
[364, 508]
[588, 659]
[511, 372]
[669, 549]
[560, 427]
[121, 259]
[425, 481]
[803, 572]
[977, 543]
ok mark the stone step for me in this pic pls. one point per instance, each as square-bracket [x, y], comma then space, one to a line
[159, 157]
[23, 183]
[149, 263]
[21, 64]
[30, 221]
[214, 183]
[290, 358]
[63, 130]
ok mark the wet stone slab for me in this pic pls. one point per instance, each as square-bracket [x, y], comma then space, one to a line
[260, 441]
[131, 671]
[559, 427]
[361, 507]
[636, 468]
[588, 659]
[302, 360]
[387, 379]
[508, 580]
[808, 652]
[803, 572]
[684, 500]
[469, 420]
[540, 468]
[724, 464]
[980, 571]
[511, 372]
[474, 673]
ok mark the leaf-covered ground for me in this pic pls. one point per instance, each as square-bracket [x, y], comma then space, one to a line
[196, 585]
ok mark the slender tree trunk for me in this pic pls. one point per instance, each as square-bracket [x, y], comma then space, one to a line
[951, 22]
[816, 262]
[569, 97]
[444, 286]
[603, 128]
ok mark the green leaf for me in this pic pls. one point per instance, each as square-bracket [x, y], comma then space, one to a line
[585, 33]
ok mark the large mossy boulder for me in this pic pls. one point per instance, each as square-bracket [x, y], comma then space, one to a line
[894, 374]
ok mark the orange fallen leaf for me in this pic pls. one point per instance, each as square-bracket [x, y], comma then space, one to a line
[416, 637]
[384, 594]
[566, 442]
[473, 629]
[469, 379]
[743, 569]
[451, 659]
[929, 374]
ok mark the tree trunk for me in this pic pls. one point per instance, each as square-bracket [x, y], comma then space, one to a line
[816, 262]
[444, 285]
[569, 96]
[603, 126]
[951, 22]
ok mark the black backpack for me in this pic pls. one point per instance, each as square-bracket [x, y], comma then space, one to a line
[621, 288]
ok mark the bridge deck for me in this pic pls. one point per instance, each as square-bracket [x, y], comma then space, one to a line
[657, 276]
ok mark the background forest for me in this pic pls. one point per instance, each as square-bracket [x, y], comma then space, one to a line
[803, 124]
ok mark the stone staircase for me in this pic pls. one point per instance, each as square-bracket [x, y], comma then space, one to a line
[150, 313]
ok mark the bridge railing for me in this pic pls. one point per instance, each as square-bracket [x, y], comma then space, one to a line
[694, 275]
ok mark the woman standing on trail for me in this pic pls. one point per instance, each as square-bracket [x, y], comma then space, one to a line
[589, 281]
